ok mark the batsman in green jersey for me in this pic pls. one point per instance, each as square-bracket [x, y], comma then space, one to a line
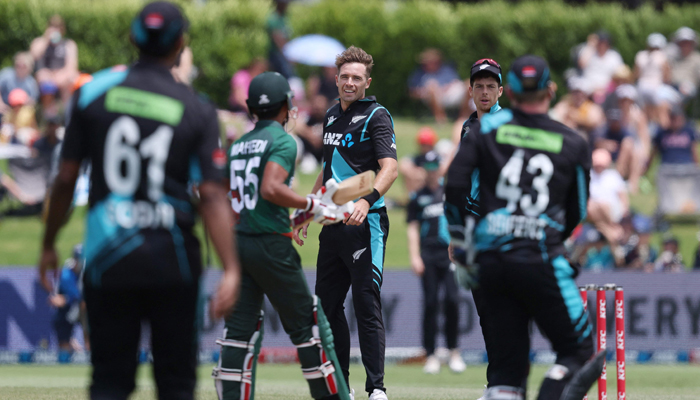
[260, 169]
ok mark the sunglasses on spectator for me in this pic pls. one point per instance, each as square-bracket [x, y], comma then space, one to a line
[489, 61]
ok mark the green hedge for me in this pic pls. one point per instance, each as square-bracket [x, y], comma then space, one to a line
[225, 35]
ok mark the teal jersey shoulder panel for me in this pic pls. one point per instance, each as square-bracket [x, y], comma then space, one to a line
[101, 82]
[492, 121]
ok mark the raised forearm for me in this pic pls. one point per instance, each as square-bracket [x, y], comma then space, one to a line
[282, 195]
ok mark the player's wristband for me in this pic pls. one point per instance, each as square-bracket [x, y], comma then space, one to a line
[372, 197]
[309, 203]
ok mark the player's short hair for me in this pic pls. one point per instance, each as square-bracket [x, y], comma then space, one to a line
[268, 113]
[531, 97]
[355, 55]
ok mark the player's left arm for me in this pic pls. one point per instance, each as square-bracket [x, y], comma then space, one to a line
[577, 196]
[216, 213]
[74, 150]
[458, 184]
[274, 190]
[381, 131]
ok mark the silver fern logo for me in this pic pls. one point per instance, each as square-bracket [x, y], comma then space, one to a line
[357, 118]
[356, 255]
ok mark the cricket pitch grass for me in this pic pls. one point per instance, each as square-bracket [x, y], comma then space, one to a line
[644, 382]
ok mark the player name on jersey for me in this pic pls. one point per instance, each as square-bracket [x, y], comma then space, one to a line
[141, 214]
[249, 147]
[519, 226]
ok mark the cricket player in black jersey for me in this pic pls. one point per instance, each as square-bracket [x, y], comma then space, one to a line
[533, 188]
[485, 88]
[358, 135]
[147, 137]
[428, 239]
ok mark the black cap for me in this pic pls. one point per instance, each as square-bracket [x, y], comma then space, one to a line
[157, 27]
[529, 74]
[486, 65]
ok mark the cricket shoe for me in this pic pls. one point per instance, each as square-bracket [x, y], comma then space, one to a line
[584, 378]
[482, 397]
[432, 365]
[378, 394]
[352, 394]
[456, 363]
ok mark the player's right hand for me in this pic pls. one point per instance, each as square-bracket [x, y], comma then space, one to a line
[48, 262]
[226, 295]
[333, 214]
[303, 230]
[418, 266]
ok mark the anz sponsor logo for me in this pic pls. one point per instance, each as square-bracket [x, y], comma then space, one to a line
[337, 139]
[520, 226]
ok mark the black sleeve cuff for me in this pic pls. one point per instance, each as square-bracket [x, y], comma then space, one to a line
[372, 197]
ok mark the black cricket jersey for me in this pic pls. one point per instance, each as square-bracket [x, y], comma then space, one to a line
[354, 139]
[426, 206]
[147, 137]
[532, 176]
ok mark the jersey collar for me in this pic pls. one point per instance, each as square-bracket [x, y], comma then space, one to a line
[494, 109]
[368, 99]
[153, 66]
[264, 123]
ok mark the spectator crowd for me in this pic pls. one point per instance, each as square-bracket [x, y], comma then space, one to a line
[35, 93]
[631, 115]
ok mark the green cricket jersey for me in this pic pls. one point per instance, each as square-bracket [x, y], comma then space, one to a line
[247, 159]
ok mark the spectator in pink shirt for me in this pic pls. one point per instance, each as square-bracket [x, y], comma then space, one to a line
[241, 81]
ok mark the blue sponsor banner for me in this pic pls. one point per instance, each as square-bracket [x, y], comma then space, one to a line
[662, 315]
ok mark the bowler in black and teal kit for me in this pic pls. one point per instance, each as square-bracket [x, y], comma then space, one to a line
[149, 139]
[358, 136]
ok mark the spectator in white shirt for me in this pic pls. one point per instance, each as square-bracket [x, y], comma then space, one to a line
[685, 69]
[598, 62]
[608, 201]
[652, 71]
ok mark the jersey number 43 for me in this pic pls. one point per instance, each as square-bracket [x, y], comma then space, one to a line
[508, 187]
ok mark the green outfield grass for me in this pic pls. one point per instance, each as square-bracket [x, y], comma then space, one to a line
[644, 382]
[20, 237]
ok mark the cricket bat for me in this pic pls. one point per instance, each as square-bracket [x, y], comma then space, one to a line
[348, 190]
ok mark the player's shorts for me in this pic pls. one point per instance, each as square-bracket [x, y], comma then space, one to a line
[514, 294]
[63, 328]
